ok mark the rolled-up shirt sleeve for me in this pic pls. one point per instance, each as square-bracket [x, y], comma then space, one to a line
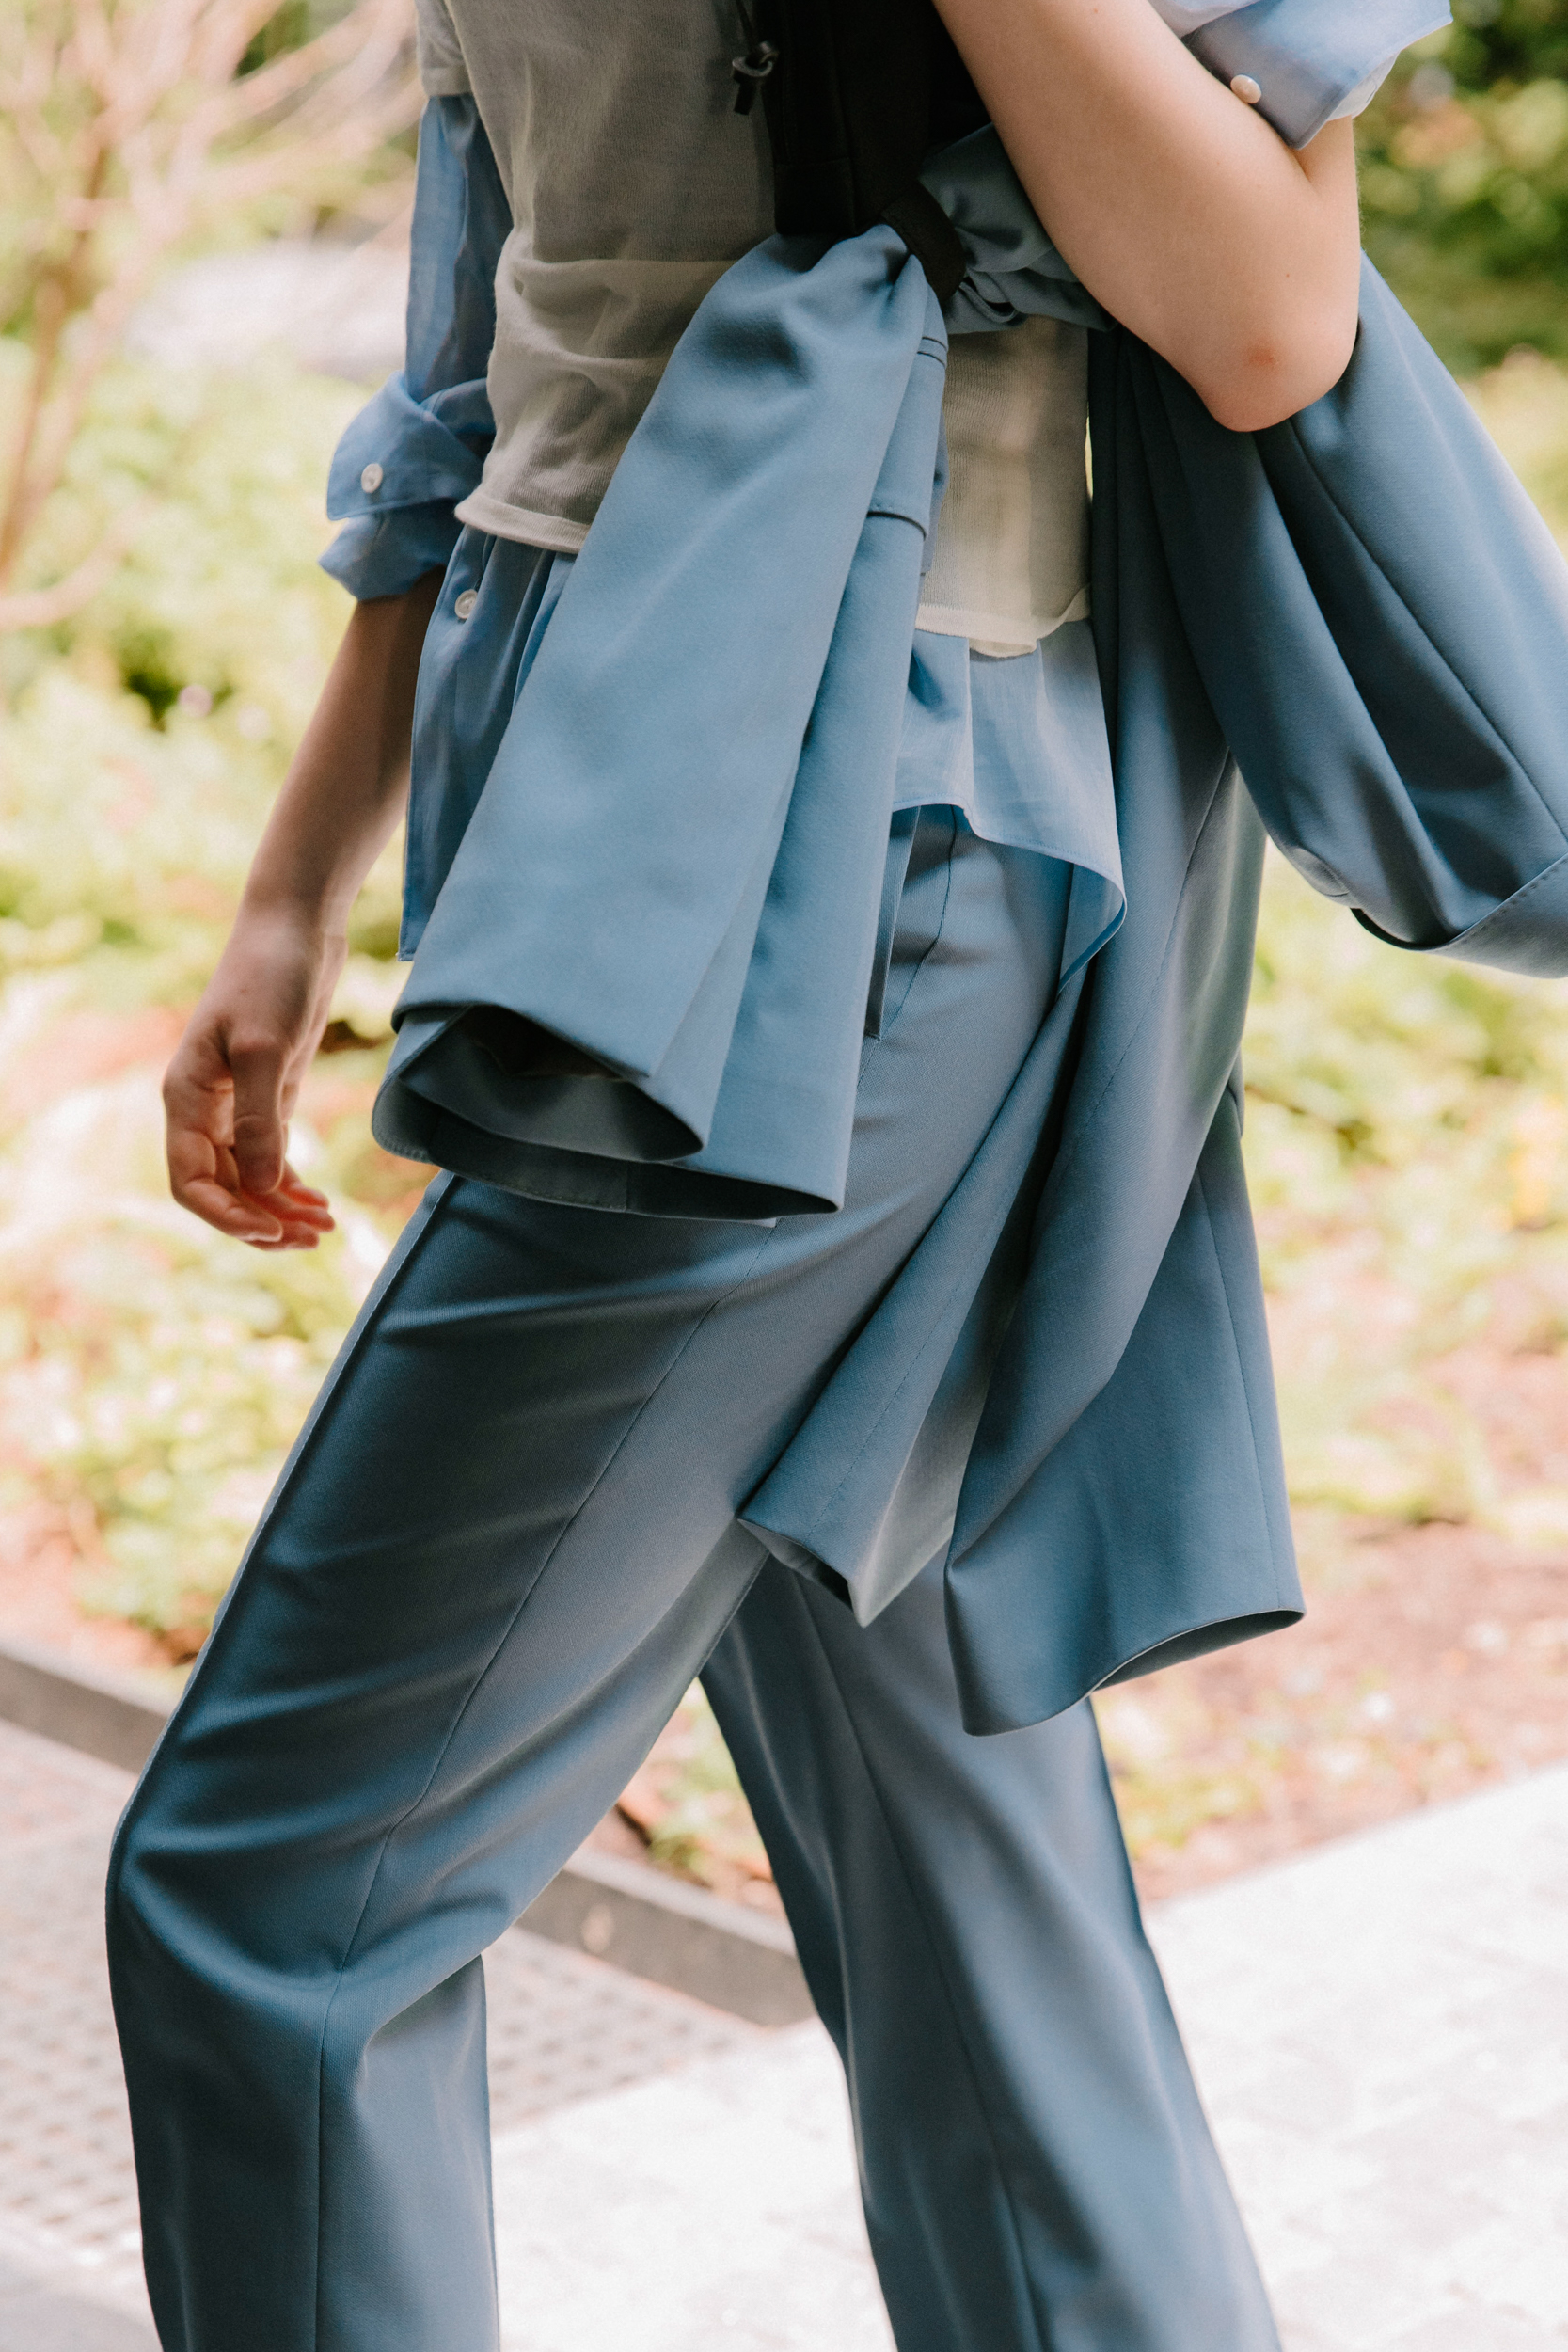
[1303, 63]
[419, 447]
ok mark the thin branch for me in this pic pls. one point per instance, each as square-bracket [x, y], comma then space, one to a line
[137, 125]
[58, 293]
[45, 608]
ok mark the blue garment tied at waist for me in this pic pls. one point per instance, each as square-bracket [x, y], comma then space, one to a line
[666, 868]
[695, 784]
[676, 860]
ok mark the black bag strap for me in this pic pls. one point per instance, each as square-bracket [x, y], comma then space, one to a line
[857, 93]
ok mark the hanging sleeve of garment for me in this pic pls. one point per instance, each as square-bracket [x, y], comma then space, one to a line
[1380, 621]
[664, 870]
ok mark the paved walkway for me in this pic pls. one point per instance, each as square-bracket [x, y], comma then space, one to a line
[1380, 2028]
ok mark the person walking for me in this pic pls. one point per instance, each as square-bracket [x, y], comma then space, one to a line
[905, 1432]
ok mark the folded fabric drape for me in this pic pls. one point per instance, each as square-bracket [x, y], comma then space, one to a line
[676, 864]
[686, 823]
[666, 868]
[1380, 618]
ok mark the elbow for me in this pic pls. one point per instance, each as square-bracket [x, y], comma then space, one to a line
[1278, 369]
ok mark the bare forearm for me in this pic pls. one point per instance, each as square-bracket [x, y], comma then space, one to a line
[233, 1082]
[348, 782]
[1178, 206]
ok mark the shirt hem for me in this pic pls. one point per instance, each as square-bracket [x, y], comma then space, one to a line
[997, 632]
[558, 534]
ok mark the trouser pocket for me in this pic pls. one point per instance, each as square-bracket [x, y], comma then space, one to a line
[914, 898]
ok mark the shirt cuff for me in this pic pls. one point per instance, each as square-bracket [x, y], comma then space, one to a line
[402, 452]
[397, 476]
[1362, 95]
[383, 555]
[1309, 61]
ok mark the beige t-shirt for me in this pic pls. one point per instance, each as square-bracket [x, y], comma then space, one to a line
[634, 186]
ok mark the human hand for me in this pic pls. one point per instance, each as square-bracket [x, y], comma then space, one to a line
[236, 1075]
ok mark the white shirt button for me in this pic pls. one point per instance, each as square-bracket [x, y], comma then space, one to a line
[466, 603]
[373, 477]
[1246, 90]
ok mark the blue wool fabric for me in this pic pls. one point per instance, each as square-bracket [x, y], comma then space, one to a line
[1271, 596]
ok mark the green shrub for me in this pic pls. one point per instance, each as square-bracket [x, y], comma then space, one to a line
[158, 1374]
[1465, 181]
[1407, 1148]
[142, 741]
[153, 1373]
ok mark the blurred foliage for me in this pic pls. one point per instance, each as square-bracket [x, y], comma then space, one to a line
[1407, 1147]
[153, 1374]
[687, 1804]
[1465, 181]
[1523, 405]
[141, 741]
[290, 27]
[156, 1377]
[128, 129]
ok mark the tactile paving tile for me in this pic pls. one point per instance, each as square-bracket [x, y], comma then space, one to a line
[66, 2189]
[563, 2026]
[49, 1791]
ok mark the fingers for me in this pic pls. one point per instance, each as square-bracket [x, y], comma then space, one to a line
[206, 1173]
[196, 1180]
[302, 1212]
[198, 1107]
[258, 1067]
[293, 1216]
[309, 1203]
[277, 1224]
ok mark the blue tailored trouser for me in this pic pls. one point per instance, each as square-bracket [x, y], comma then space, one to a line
[505, 1545]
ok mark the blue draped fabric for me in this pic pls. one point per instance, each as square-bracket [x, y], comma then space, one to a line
[684, 823]
[677, 856]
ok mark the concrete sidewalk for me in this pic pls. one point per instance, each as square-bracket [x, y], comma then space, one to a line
[1380, 2030]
